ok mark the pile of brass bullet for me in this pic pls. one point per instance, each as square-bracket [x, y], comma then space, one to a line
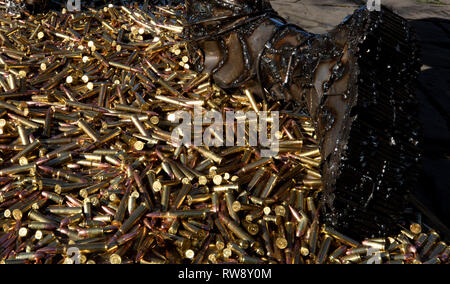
[89, 172]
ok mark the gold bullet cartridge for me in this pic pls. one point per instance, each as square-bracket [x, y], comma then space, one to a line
[336, 255]
[30, 148]
[344, 239]
[133, 219]
[323, 252]
[229, 199]
[431, 240]
[238, 231]
[121, 211]
[260, 163]
[63, 210]
[271, 183]
[313, 236]
[88, 130]
[438, 249]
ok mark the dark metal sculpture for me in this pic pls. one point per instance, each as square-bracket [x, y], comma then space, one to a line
[356, 82]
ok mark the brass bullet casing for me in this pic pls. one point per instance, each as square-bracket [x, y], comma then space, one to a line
[39, 217]
[173, 229]
[323, 252]
[121, 211]
[23, 135]
[313, 237]
[344, 239]
[165, 198]
[215, 202]
[65, 188]
[209, 155]
[254, 215]
[252, 229]
[374, 245]
[90, 248]
[431, 240]
[53, 196]
[132, 201]
[250, 260]
[115, 259]
[88, 130]
[18, 169]
[256, 178]
[435, 260]
[416, 228]
[63, 210]
[352, 258]
[28, 149]
[72, 219]
[255, 165]
[446, 254]
[229, 199]
[311, 206]
[179, 214]
[238, 231]
[335, 255]
[420, 240]
[134, 217]
[225, 188]
[271, 183]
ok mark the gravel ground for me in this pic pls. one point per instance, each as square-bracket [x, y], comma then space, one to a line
[431, 21]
